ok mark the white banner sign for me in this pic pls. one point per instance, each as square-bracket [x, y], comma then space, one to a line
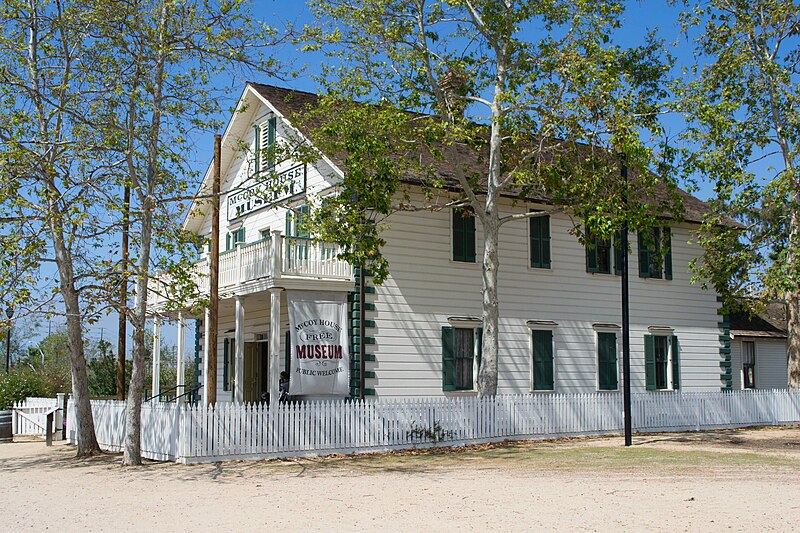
[320, 360]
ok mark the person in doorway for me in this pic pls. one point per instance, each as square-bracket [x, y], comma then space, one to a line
[283, 387]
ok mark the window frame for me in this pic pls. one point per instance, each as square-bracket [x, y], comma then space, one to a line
[611, 249]
[463, 323]
[672, 364]
[753, 365]
[661, 239]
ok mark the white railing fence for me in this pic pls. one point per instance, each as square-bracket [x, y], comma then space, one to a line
[252, 431]
[29, 417]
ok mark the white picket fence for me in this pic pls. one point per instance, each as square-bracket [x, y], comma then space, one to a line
[252, 431]
[29, 417]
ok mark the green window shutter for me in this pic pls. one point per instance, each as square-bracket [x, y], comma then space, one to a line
[667, 243]
[676, 364]
[540, 242]
[271, 127]
[240, 235]
[448, 358]
[650, 362]
[542, 360]
[591, 253]
[607, 360]
[287, 352]
[257, 150]
[289, 225]
[644, 257]
[463, 236]
[619, 253]
[228, 241]
[225, 364]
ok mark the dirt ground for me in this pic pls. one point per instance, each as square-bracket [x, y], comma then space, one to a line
[732, 480]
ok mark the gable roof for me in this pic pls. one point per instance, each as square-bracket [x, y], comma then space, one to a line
[289, 102]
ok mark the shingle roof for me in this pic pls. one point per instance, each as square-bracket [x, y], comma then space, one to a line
[291, 103]
[771, 322]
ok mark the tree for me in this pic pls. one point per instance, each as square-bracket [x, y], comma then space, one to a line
[743, 105]
[165, 55]
[487, 98]
[53, 175]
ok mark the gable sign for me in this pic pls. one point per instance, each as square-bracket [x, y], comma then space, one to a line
[275, 188]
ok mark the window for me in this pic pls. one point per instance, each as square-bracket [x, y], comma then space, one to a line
[264, 145]
[542, 359]
[540, 242]
[297, 221]
[233, 238]
[655, 253]
[264, 234]
[463, 235]
[662, 362]
[461, 349]
[748, 364]
[606, 360]
[599, 254]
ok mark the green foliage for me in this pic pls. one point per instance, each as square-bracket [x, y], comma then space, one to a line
[743, 104]
[23, 382]
[468, 100]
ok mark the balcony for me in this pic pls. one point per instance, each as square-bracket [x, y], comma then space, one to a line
[255, 267]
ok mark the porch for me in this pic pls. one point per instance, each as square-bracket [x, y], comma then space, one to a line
[252, 312]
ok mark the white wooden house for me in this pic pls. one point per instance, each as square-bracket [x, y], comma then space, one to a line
[560, 311]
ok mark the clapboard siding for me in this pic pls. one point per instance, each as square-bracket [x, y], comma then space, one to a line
[771, 363]
[426, 287]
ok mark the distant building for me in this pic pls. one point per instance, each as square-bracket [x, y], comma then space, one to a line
[758, 349]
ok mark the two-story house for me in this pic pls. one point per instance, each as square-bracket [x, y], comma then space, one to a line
[560, 310]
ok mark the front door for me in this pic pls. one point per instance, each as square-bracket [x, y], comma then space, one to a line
[256, 371]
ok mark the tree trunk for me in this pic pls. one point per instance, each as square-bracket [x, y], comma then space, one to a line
[132, 454]
[86, 439]
[793, 342]
[487, 376]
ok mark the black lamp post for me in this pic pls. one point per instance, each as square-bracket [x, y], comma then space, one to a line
[10, 315]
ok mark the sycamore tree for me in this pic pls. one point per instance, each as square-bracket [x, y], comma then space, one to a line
[54, 178]
[743, 104]
[484, 99]
[165, 56]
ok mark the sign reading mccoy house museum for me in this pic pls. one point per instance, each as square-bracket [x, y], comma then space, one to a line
[320, 359]
[274, 188]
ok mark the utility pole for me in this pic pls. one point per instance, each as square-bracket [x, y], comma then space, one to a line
[123, 296]
[213, 276]
[626, 321]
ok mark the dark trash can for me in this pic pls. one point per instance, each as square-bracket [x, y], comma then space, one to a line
[6, 434]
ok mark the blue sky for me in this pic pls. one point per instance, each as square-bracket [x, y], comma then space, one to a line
[640, 17]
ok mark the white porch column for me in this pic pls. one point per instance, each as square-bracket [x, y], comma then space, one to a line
[238, 380]
[277, 254]
[156, 357]
[274, 343]
[181, 386]
[206, 351]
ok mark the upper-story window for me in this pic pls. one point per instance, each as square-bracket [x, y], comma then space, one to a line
[233, 238]
[463, 235]
[264, 145]
[655, 253]
[604, 256]
[297, 221]
[540, 241]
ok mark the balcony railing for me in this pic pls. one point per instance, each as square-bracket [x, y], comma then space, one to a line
[298, 257]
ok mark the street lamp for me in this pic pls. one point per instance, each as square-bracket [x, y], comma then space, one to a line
[10, 315]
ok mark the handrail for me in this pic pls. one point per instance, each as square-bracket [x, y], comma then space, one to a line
[191, 391]
[162, 393]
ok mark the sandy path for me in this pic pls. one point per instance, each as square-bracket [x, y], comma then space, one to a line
[739, 481]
